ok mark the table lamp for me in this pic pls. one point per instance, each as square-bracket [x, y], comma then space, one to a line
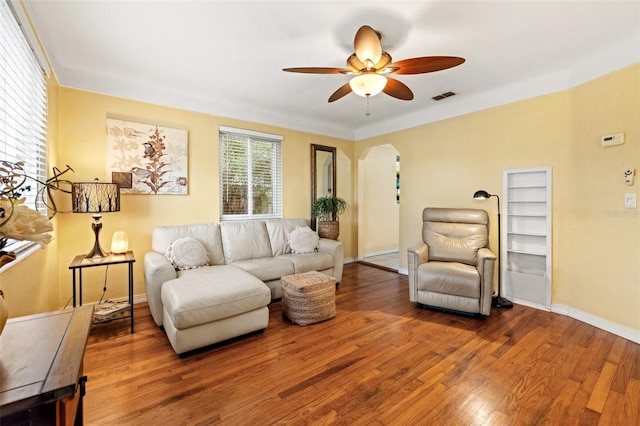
[96, 198]
[119, 242]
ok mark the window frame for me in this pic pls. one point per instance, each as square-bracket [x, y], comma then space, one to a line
[23, 105]
[250, 137]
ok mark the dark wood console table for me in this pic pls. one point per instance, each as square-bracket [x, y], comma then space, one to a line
[41, 380]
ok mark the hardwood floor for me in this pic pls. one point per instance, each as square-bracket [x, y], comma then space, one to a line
[381, 361]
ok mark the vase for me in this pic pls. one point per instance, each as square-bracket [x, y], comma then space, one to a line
[4, 312]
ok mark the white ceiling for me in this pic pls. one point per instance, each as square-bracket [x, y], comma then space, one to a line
[226, 57]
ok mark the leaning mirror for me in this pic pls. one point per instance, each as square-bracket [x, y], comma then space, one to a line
[323, 174]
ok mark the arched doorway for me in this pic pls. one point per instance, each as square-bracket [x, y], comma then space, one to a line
[379, 213]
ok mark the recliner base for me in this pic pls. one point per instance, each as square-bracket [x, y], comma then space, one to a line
[450, 311]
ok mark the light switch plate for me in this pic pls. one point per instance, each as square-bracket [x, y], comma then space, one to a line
[630, 200]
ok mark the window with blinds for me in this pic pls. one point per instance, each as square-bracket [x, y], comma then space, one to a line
[250, 174]
[23, 105]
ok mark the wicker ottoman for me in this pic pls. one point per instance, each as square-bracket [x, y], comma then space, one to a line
[308, 298]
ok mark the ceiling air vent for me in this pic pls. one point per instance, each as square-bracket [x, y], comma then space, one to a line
[442, 96]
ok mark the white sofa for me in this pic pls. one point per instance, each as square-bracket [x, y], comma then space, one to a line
[229, 296]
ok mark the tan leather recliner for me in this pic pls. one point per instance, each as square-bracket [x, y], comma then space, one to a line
[452, 268]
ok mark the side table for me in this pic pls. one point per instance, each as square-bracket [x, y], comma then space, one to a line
[41, 381]
[80, 262]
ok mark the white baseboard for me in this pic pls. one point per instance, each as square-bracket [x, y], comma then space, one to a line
[380, 253]
[403, 271]
[527, 303]
[611, 327]
[137, 298]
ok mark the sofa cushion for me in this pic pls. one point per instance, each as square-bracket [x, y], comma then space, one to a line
[200, 296]
[245, 240]
[266, 268]
[303, 240]
[207, 233]
[279, 230]
[187, 253]
[306, 262]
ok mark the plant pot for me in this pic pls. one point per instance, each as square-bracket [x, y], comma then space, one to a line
[329, 230]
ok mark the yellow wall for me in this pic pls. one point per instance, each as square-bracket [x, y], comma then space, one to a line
[82, 118]
[595, 239]
[76, 129]
[604, 277]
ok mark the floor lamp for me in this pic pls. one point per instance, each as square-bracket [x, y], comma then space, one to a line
[498, 301]
[97, 198]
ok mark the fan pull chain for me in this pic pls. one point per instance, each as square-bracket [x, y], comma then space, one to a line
[367, 113]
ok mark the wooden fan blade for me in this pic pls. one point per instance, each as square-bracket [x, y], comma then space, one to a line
[317, 70]
[342, 91]
[426, 64]
[398, 89]
[367, 45]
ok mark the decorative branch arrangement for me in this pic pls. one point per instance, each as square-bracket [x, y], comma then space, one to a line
[17, 221]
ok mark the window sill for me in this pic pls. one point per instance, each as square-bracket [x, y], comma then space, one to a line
[23, 254]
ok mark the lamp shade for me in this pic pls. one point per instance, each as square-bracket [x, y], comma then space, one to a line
[481, 195]
[368, 84]
[95, 197]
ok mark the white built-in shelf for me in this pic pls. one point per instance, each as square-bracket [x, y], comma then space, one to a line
[527, 242]
[528, 252]
[531, 234]
[527, 187]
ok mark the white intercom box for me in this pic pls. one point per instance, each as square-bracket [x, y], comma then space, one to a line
[612, 139]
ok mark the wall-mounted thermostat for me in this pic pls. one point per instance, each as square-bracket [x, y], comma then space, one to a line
[628, 176]
[612, 140]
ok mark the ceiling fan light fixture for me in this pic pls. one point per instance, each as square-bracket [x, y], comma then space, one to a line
[384, 61]
[367, 85]
[367, 45]
[354, 64]
[371, 67]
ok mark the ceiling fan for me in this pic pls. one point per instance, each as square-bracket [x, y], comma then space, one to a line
[371, 66]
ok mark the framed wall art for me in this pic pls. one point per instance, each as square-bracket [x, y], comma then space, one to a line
[147, 158]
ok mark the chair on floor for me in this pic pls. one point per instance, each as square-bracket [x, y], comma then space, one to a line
[452, 269]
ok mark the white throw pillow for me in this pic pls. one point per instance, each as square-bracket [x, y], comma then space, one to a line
[303, 240]
[187, 253]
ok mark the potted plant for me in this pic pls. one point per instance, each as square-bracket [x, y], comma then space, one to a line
[326, 210]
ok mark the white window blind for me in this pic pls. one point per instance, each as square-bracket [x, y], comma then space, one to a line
[23, 105]
[250, 174]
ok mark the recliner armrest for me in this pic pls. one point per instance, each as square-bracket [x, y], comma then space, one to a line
[157, 270]
[416, 255]
[485, 255]
[485, 265]
[421, 251]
